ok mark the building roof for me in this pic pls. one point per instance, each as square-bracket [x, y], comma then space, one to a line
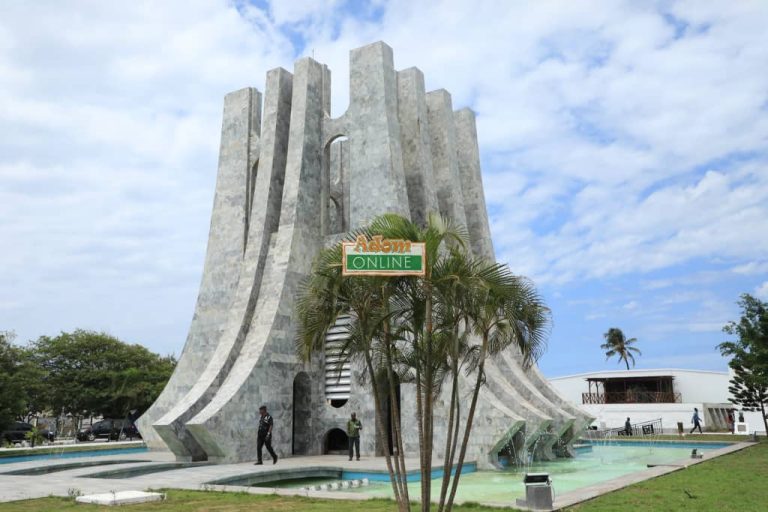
[612, 374]
[604, 378]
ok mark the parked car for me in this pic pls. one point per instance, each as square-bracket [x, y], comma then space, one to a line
[17, 432]
[109, 428]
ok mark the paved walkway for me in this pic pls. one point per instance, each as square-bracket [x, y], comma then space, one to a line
[18, 487]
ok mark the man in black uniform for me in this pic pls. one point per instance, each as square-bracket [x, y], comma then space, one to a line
[265, 435]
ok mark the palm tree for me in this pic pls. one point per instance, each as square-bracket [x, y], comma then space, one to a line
[503, 310]
[424, 358]
[424, 331]
[321, 300]
[616, 344]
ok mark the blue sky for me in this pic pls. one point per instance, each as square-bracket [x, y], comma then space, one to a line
[624, 149]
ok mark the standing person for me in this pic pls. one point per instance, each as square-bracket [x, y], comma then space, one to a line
[627, 428]
[729, 421]
[696, 421]
[354, 426]
[265, 435]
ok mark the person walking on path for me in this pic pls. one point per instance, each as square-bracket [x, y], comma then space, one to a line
[696, 421]
[729, 421]
[627, 428]
[265, 435]
[354, 426]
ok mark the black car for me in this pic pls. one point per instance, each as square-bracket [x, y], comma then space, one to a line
[17, 432]
[111, 429]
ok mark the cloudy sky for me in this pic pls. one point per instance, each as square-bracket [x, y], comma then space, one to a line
[624, 148]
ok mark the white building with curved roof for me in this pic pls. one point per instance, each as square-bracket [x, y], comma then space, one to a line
[668, 394]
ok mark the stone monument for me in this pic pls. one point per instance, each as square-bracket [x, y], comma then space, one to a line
[291, 180]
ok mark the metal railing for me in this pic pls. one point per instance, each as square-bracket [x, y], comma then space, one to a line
[632, 397]
[643, 428]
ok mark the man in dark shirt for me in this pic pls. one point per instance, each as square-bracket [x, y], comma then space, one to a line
[265, 435]
[354, 426]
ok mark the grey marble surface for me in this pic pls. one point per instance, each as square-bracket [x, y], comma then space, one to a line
[283, 192]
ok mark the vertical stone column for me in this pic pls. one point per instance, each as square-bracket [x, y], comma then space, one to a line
[254, 130]
[444, 159]
[266, 189]
[414, 137]
[378, 181]
[468, 157]
[301, 199]
[265, 366]
[272, 157]
[226, 240]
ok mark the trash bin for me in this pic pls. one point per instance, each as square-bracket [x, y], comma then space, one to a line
[680, 430]
[538, 492]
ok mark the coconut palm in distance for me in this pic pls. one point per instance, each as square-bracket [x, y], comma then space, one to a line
[616, 344]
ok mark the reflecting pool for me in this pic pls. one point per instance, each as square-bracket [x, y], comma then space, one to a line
[598, 463]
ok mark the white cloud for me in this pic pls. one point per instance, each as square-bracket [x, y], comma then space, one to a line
[109, 127]
[762, 291]
[614, 143]
[630, 306]
[595, 120]
[752, 268]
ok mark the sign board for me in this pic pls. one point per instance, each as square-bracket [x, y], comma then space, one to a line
[383, 257]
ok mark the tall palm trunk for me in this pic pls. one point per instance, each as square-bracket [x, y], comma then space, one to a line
[426, 468]
[450, 439]
[397, 442]
[402, 506]
[468, 427]
[429, 430]
[449, 446]
[420, 422]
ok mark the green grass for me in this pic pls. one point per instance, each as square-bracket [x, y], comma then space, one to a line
[212, 501]
[737, 482]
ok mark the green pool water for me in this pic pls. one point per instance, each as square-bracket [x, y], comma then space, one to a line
[603, 463]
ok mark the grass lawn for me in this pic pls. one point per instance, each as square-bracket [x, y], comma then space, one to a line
[738, 482]
[202, 501]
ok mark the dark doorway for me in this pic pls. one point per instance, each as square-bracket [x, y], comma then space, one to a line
[302, 410]
[336, 442]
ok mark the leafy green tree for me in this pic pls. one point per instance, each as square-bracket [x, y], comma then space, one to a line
[91, 373]
[11, 396]
[616, 344]
[748, 394]
[30, 377]
[749, 355]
